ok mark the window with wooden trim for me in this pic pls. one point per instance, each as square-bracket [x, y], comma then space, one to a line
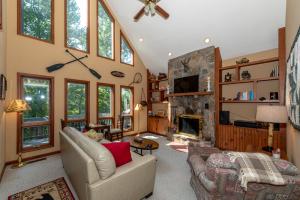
[127, 109]
[127, 54]
[36, 126]
[36, 19]
[106, 31]
[77, 25]
[77, 103]
[106, 104]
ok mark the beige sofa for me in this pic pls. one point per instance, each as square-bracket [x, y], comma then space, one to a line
[92, 172]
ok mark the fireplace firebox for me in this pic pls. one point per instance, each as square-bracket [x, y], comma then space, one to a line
[190, 125]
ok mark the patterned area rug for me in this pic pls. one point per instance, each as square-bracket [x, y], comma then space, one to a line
[179, 147]
[54, 190]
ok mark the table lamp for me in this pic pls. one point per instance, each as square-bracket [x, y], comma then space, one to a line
[19, 106]
[138, 108]
[271, 114]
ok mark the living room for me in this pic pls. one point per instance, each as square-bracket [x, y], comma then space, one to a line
[130, 100]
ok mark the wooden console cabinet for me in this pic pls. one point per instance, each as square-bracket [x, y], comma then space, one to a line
[158, 125]
[235, 138]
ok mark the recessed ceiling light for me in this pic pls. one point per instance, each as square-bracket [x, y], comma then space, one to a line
[170, 54]
[141, 40]
[207, 40]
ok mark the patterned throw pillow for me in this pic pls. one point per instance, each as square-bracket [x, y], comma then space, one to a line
[94, 135]
[221, 160]
[286, 167]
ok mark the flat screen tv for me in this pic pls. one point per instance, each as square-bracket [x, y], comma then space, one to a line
[186, 84]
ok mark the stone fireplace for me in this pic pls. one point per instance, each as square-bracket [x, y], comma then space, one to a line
[190, 125]
[202, 64]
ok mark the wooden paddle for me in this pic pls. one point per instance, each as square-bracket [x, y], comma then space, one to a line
[58, 66]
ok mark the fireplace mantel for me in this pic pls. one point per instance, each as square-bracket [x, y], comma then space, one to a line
[190, 94]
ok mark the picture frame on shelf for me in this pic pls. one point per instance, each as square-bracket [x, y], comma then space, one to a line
[3, 87]
[293, 83]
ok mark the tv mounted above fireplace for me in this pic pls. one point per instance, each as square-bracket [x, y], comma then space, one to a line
[186, 84]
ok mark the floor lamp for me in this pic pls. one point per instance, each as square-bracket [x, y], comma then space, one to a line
[138, 108]
[271, 114]
[18, 106]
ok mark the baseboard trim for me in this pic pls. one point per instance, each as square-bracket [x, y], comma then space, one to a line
[2, 172]
[33, 157]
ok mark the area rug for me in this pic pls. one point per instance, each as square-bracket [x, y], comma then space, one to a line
[179, 147]
[54, 190]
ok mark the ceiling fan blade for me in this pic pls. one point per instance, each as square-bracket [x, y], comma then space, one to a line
[162, 12]
[139, 14]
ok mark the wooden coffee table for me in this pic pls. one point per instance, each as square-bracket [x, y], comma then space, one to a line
[145, 145]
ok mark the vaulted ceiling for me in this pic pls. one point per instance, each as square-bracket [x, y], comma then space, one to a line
[238, 27]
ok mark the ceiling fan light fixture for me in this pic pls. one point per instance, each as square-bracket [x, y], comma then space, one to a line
[141, 40]
[169, 54]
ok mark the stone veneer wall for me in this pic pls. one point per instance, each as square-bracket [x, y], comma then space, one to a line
[202, 63]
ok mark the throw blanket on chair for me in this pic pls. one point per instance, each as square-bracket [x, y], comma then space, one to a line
[256, 167]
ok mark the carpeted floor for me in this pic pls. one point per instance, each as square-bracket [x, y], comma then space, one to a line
[172, 177]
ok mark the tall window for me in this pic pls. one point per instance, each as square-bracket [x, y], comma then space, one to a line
[35, 19]
[77, 103]
[77, 24]
[105, 103]
[36, 127]
[106, 36]
[127, 54]
[127, 99]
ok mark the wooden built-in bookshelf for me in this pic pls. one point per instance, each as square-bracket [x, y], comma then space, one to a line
[230, 137]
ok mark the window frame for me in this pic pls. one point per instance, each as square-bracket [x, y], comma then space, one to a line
[114, 30]
[87, 94]
[19, 23]
[132, 104]
[128, 44]
[50, 123]
[113, 118]
[87, 33]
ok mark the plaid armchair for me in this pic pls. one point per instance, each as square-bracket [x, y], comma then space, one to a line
[217, 178]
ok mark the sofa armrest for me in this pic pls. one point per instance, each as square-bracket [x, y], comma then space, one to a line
[131, 181]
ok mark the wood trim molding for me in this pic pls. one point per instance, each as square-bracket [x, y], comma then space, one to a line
[87, 30]
[125, 39]
[33, 157]
[132, 104]
[282, 64]
[51, 121]
[114, 30]
[19, 24]
[113, 118]
[87, 95]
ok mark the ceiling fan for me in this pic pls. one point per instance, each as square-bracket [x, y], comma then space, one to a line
[151, 8]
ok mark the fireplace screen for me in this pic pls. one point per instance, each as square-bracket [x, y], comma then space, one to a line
[189, 126]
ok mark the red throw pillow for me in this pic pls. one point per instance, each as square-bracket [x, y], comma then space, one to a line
[120, 152]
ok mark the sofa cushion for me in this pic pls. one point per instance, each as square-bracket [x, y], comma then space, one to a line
[102, 157]
[221, 160]
[120, 152]
[286, 167]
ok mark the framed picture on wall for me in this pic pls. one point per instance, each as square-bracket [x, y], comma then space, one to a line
[293, 83]
[3, 87]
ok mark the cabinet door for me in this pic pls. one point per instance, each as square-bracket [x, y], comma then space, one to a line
[152, 125]
[162, 126]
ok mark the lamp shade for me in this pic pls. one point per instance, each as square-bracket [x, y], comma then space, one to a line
[272, 114]
[138, 107]
[18, 105]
